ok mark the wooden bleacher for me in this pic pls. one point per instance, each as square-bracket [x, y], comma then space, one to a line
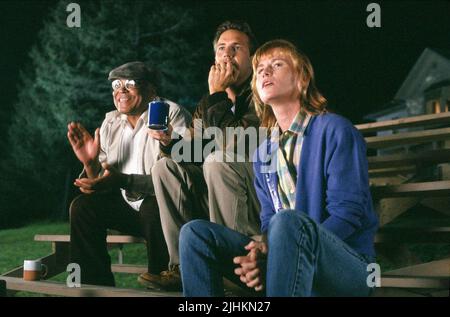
[399, 182]
[60, 289]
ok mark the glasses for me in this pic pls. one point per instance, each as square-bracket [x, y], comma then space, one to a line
[128, 84]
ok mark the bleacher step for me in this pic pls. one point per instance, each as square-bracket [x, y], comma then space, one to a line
[60, 289]
[423, 189]
[109, 238]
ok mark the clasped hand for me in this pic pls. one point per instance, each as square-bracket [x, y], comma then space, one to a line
[110, 180]
[252, 266]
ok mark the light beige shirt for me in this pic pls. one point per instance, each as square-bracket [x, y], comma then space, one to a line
[145, 148]
[132, 163]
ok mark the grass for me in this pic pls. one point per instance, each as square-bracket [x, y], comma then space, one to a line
[18, 245]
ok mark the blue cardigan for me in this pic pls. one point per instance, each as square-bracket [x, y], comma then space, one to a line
[332, 182]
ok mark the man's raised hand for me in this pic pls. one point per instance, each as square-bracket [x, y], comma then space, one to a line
[84, 146]
[222, 76]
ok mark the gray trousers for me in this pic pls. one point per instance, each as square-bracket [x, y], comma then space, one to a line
[222, 192]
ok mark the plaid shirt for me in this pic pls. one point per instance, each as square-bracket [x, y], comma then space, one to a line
[288, 159]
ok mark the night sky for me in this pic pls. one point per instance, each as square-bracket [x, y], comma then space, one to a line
[359, 69]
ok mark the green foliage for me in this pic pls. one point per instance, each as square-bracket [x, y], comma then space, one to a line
[66, 80]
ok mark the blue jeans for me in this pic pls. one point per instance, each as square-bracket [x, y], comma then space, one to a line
[304, 259]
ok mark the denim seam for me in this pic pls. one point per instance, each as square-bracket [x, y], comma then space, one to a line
[299, 268]
[209, 254]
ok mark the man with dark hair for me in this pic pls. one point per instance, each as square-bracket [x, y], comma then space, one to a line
[240, 26]
[220, 186]
[116, 181]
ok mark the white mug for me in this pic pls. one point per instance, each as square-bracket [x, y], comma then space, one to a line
[34, 270]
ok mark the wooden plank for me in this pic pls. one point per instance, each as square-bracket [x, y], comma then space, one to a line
[129, 268]
[124, 239]
[52, 237]
[445, 293]
[399, 254]
[57, 261]
[414, 282]
[440, 118]
[424, 189]
[395, 292]
[383, 172]
[109, 238]
[390, 208]
[422, 158]
[413, 235]
[439, 268]
[55, 288]
[57, 269]
[406, 138]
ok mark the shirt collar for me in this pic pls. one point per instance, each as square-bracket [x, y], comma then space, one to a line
[298, 126]
[142, 119]
[300, 123]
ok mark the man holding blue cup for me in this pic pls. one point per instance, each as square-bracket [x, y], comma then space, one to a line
[116, 182]
[212, 187]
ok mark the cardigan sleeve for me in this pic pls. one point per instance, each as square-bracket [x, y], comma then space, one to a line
[267, 208]
[347, 180]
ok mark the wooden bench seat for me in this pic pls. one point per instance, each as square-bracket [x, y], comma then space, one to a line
[112, 239]
[431, 275]
[399, 160]
[413, 235]
[406, 138]
[408, 122]
[439, 268]
[60, 289]
[423, 189]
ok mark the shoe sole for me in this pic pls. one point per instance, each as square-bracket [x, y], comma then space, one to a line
[149, 285]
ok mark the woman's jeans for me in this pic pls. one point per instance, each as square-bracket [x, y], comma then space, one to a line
[304, 259]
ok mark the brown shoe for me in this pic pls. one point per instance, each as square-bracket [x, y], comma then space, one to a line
[169, 280]
[149, 280]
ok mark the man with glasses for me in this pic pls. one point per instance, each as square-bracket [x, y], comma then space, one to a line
[116, 180]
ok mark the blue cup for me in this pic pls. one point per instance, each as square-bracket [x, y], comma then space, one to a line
[158, 115]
